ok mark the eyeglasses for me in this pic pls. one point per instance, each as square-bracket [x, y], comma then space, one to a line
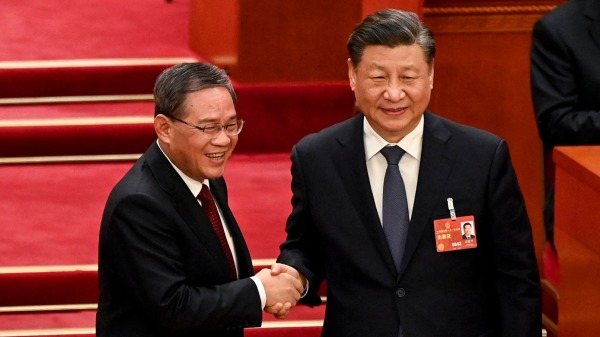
[213, 130]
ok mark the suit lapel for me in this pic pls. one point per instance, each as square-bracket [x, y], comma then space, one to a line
[186, 205]
[352, 167]
[592, 11]
[244, 260]
[433, 172]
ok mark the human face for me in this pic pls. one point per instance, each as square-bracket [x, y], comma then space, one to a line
[467, 229]
[392, 87]
[195, 154]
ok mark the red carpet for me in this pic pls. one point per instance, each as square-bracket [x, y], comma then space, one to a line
[76, 110]
[52, 212]
[58, 223]
[46, 321]
[81, 319]
[75, 29]
[82, 77]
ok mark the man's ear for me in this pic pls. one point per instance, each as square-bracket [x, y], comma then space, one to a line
[431, 75]
[163, 128]
[351, 74]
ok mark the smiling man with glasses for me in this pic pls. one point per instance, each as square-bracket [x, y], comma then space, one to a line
[172, 259]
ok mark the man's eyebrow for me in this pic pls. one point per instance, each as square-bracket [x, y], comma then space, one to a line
[216, 120]
[375, 66]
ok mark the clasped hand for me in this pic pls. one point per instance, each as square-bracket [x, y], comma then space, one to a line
[283, 285]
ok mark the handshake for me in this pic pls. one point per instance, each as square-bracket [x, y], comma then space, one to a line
[284, 286]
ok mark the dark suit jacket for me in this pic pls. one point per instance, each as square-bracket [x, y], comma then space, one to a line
[565, 82]
[472, 236]
[334, 232]
[162, 271]
[565, 74]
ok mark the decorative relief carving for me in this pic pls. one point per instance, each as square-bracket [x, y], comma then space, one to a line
[488, 10]
[483, 18]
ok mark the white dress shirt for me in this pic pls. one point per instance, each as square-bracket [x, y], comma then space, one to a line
[377, 164]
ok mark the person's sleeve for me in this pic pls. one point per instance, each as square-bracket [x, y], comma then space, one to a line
[555, 92]
[517, 280]
[152, 265]
[302, 248]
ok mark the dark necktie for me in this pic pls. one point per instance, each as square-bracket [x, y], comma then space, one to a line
[395, 207]
[210, 209]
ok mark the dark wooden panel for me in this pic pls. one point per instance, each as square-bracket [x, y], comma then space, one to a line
[294, 40]
[280, 40]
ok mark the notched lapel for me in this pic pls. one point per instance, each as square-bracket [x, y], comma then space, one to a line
[189, 209]
[351, 165]
[194, 217]
[241, 248]
[595, 32]
[434, 170]
[592, 11]
[186, 205]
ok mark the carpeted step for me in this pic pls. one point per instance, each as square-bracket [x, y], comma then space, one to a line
[66, 288]
[83, 322]
[76, 129]
[287, 328]
[51, 210]
[48, 288]
[65, 297]
[276, 115]
[41, 30]
[24, 82]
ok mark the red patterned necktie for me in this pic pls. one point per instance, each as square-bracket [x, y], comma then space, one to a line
[210, 208]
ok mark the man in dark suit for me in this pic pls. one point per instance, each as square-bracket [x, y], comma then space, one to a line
[467, 230]
[376, 284]
[171, 264]
[565, 84]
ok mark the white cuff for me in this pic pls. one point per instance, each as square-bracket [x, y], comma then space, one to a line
[305, 289]
[261, 292]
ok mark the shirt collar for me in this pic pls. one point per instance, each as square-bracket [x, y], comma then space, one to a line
[194, 185]
[411, 143]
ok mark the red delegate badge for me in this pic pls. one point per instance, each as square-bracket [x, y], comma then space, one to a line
[456, 234]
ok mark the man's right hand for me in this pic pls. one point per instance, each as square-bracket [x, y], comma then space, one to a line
[283, 292]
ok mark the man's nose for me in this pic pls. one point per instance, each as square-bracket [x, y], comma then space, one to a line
[222, 138]
[394, 91]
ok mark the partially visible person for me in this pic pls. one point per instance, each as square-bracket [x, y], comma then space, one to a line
[565, 84]
[172, 259]
[387, 274]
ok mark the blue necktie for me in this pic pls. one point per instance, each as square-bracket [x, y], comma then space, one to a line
[395, 207]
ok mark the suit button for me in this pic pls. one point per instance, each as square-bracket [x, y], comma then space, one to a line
[400, 292]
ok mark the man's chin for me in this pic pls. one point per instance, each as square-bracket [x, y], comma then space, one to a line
[215, 173]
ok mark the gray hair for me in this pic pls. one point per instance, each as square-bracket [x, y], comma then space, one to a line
[174, 83]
